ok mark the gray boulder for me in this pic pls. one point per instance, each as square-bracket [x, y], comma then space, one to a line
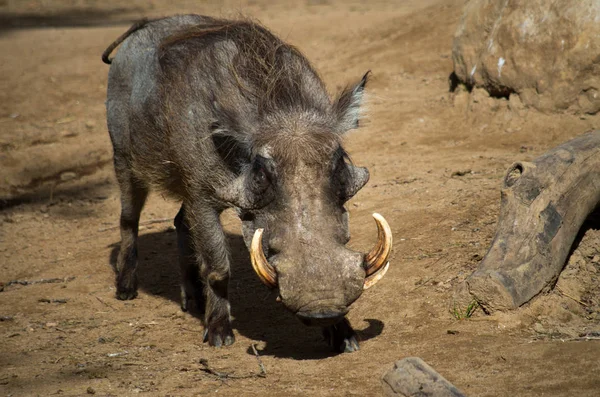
[546, 51]
[412, 377]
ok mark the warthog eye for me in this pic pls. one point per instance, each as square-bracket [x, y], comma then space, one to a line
[261, 177]
[259, 185]
[261, 181]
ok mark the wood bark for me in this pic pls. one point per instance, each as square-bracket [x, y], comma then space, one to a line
[543, 206]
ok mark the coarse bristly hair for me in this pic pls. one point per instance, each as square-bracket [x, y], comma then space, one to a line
[266, 69]
[296, 115]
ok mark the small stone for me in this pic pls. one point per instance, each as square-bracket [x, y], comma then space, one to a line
[68, 134]
[90, 390]
[591, 268]
[67, 176]
[461, 172]
[90, 124]
[515, 104]
[461, 98]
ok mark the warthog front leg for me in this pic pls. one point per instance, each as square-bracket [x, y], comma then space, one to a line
[212, 256]
[133, 196]
[341, 337]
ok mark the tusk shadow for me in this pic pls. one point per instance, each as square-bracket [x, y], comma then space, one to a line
[255, 313]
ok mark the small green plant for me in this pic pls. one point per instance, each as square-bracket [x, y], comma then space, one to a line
[459, 314]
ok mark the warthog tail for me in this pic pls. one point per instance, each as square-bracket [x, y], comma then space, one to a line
[136, 26]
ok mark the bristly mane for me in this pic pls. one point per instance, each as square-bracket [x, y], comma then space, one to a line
[269, 71]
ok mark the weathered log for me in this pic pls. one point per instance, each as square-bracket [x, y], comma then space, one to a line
[413, 377]
[543, 206]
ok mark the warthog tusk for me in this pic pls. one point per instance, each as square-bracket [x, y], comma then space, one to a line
[374, 278]
[376, 261]
[261, 266]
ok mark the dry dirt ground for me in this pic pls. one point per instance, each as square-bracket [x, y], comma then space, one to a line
[436, 160]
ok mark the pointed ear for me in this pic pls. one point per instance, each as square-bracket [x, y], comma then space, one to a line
[359, 176]
[232, 146]
[347, 106]
[354, 180]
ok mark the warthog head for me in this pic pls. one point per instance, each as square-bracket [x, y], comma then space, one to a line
[291, 199]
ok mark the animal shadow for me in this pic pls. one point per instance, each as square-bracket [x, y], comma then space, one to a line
[255, 312]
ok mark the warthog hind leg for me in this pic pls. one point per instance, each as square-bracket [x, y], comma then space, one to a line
[191, 285]
[133, 196]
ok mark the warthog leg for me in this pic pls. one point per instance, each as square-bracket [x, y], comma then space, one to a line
[133, 196]
[209, 243]
[191, 285]
[341, 337]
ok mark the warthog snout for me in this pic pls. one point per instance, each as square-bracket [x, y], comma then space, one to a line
[322, 318]
[318, 282]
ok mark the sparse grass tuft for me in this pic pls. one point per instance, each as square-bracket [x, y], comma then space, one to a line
[459, 314]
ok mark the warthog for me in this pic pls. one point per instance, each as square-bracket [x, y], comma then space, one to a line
[222, 114]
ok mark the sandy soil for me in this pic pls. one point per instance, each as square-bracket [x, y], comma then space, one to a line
[436, 160]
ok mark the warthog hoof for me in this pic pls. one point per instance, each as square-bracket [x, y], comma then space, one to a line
[341, 337]
[126, 294]
[126, 286]
[219, 334]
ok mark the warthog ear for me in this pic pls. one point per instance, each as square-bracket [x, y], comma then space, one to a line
[347, 106]
[347, 178]
[359, 176]
[352, 180]
[233, 193]
[229, 143]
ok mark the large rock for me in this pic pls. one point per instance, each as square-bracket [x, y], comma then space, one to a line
[412, 377]
[546, 51]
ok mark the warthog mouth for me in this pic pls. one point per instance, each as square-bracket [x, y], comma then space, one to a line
[323, 318]
[375, 261]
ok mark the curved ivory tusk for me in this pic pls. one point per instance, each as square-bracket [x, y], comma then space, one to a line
[261, 266]
[378, 256]
[374, 278]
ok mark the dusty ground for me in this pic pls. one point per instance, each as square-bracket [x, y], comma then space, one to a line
[436, 161]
